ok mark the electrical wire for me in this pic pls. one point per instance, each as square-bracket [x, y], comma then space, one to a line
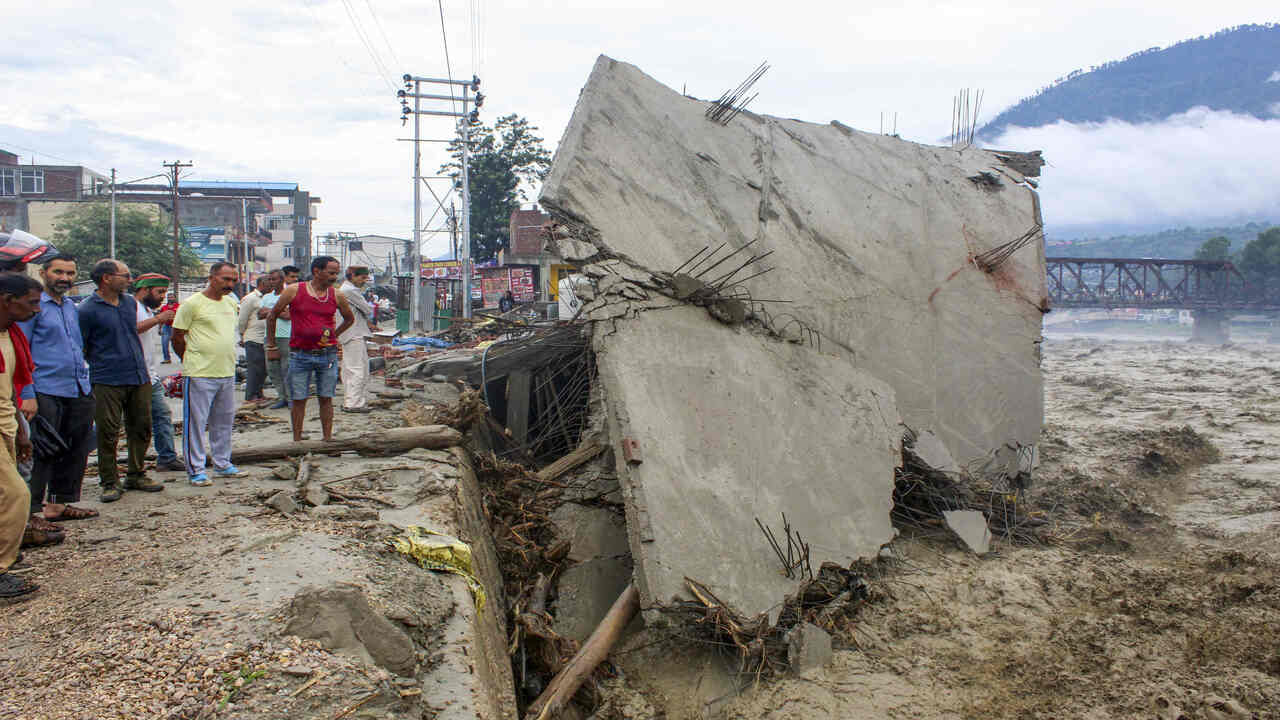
[373, 54]
[341, 57]
[448, 66]
[382, 32]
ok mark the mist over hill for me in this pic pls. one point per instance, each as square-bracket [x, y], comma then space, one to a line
[1186, 136]
[1235, 70]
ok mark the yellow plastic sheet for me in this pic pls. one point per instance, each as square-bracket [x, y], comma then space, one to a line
[442, 553]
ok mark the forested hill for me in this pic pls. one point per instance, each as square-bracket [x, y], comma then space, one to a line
[1237, 69]
[1179, 243]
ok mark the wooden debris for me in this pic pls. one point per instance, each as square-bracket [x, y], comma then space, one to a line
[393, 441]
[570, 461]
[593, 652]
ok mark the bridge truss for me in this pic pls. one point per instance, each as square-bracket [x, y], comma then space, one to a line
[1208, 285]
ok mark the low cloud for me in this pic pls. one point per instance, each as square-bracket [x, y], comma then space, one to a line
[1275, 77]
[1196, 167]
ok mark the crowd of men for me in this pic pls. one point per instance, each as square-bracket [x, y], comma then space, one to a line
[74, 377]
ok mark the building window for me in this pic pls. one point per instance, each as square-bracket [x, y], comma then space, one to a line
[32, 182]
[280, 222]
[288, 252]
[8, 181]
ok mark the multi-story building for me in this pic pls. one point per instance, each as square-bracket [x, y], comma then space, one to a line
[32, 196]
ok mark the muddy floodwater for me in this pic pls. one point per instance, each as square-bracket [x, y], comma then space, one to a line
[1151, 590]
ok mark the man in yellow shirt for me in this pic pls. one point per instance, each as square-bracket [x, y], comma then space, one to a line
[204, 335]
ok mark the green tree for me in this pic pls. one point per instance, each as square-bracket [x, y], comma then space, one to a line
[143, 241]
[1215, 248]
[1260, 259]
[505, 160]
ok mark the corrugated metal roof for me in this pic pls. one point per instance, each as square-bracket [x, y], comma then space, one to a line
[235, 184]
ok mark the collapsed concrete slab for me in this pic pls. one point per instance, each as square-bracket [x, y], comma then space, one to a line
[893, 252]
[720, 426]
[913, 282]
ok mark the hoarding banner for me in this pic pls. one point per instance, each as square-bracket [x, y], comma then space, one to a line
[208, 242]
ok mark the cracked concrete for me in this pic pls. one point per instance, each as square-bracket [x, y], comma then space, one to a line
[873, 239]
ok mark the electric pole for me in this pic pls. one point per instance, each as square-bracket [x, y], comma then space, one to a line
[413, 89]
[174, 167]
[111, 252]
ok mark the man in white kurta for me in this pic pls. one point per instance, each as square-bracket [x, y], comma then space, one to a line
[355, 354]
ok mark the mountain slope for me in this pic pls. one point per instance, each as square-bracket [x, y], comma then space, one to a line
[1177, 243]
[1237, 69]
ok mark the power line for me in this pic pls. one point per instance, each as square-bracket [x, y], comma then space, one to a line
[377, 61]
[447, 65]
[382, 32]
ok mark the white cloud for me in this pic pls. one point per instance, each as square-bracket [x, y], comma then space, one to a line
[1275, 77]
[288, 91]
[1198, 165]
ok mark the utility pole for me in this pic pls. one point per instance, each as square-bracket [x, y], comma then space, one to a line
[414, 84]
[174, 167]
[111, 251]
[244, 241]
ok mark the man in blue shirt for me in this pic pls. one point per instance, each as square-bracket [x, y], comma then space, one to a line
[62, 392]
[121, 380]
[278, 360]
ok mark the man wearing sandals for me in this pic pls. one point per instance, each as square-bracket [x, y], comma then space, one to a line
[19, 300]
[63, 395]
[204, 336]
[149, 291]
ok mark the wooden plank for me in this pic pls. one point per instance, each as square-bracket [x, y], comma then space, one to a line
[519, 385]
[570, 461]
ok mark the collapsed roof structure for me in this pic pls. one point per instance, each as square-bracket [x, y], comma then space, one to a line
[773, 300]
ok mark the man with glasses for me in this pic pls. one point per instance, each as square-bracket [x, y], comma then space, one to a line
[120, 377]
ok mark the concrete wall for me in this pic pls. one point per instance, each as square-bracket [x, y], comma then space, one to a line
[873, 240]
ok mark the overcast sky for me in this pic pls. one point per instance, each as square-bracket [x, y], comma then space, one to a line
[291, 91]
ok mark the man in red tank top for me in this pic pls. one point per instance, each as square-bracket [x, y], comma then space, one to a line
[313, 343]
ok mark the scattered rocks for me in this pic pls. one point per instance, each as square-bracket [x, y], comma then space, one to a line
[283, 503]
[808, 647]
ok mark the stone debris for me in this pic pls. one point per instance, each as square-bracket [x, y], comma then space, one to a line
[971, 527]
[283, 503]
[808, 647]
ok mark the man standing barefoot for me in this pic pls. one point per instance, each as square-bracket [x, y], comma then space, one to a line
[313, 344]
[204, 336]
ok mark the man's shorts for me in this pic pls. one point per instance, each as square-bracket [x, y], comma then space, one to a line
[305, 365]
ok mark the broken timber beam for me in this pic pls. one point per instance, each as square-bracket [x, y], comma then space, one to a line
[519, 386]
[384, 442]
[562, 687]
[570, 461]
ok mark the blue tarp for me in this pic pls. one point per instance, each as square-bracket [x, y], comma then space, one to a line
[422, 342]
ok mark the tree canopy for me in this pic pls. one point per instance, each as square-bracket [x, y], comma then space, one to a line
[143, 241]
[505, 161]
[1260, 259]
[1215, 248]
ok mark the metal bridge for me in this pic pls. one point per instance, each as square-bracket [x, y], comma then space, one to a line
[1209, 285]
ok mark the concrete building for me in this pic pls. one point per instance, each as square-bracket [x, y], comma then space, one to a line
[31, 196]
[529, 249]
[218, 217]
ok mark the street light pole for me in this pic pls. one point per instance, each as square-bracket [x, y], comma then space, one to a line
[111, 251]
